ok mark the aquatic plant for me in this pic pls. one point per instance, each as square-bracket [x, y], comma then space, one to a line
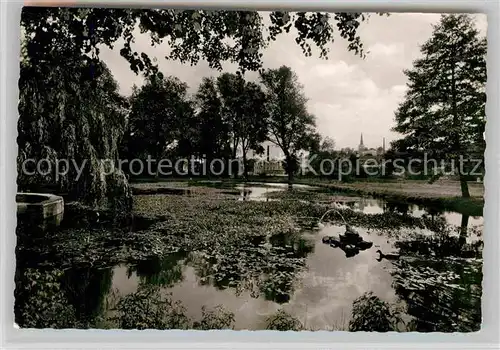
[259, 247]
[441, 295]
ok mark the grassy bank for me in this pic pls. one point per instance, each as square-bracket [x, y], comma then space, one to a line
[445, 195]
[442, 194]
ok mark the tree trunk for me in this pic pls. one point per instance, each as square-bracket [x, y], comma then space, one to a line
[208, 171]
[464, 186]
[234, 175]
[463, 230]
[289, 170]
[456, 124]
[245, 168]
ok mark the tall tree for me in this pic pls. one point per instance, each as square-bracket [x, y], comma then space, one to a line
[443, 113]
[244, 112]
[252, 126]
[291, 126]
[231, 88]
[158, 111]
[72, 37]
[212, 132]
[64, 115]
[324, 152]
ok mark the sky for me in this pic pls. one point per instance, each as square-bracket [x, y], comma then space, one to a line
[348, 95]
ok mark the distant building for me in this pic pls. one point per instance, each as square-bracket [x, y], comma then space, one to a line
[364, 152]
[265, 165]
[374, 155]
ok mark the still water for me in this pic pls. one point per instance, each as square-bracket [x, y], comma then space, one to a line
[322, 299]
[323, 293]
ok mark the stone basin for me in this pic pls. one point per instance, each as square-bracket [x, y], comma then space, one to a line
[39, 206]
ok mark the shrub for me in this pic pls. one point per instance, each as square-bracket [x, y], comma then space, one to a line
[218, 318]
[283, 321]
[371, 314]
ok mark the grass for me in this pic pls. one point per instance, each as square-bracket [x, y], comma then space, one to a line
[444, 194]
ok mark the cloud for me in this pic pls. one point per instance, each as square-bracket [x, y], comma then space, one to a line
[385, 51]
[348, 95]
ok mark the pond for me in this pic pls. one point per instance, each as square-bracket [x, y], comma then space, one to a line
[435, 281]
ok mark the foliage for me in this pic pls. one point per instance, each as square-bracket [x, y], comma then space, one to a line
[244, 112]
[258, 247]
[283, 321]
[371, 314]
[193, 35]
[40, 302]
[73, 111]
[218, 318]
[291, 126]
[148, 308]
[160, 112]
[213, 131]
[442, 295]
[324, 159]
[443, 113]
[62, 115]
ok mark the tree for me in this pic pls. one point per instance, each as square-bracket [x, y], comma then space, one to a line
[231, 89]
[191, 34]
[160, 110]
[252, 127]
[244, 113]
[325, 154]
[443, 113]
[291, 126]
[328, 144]
[212, 132]
[64, 116]
[69, 39]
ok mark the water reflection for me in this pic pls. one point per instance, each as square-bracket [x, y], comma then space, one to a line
[86, 290]
[160, 271]
[436, 278]
[396, 207]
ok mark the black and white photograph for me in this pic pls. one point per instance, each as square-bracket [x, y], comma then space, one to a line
[250, 170]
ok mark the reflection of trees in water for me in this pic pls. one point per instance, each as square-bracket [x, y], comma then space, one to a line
[160, 271]
[262, 266]
[441, 296]
[86, 289]
[443, 244]
[51, 298]
[441, 285]
[435, 213]
[396, 207]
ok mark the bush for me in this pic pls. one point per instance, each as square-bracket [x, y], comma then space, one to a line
[40, 302]
[371, 314]
[148, 309]
[219, 318]
[283, 321]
